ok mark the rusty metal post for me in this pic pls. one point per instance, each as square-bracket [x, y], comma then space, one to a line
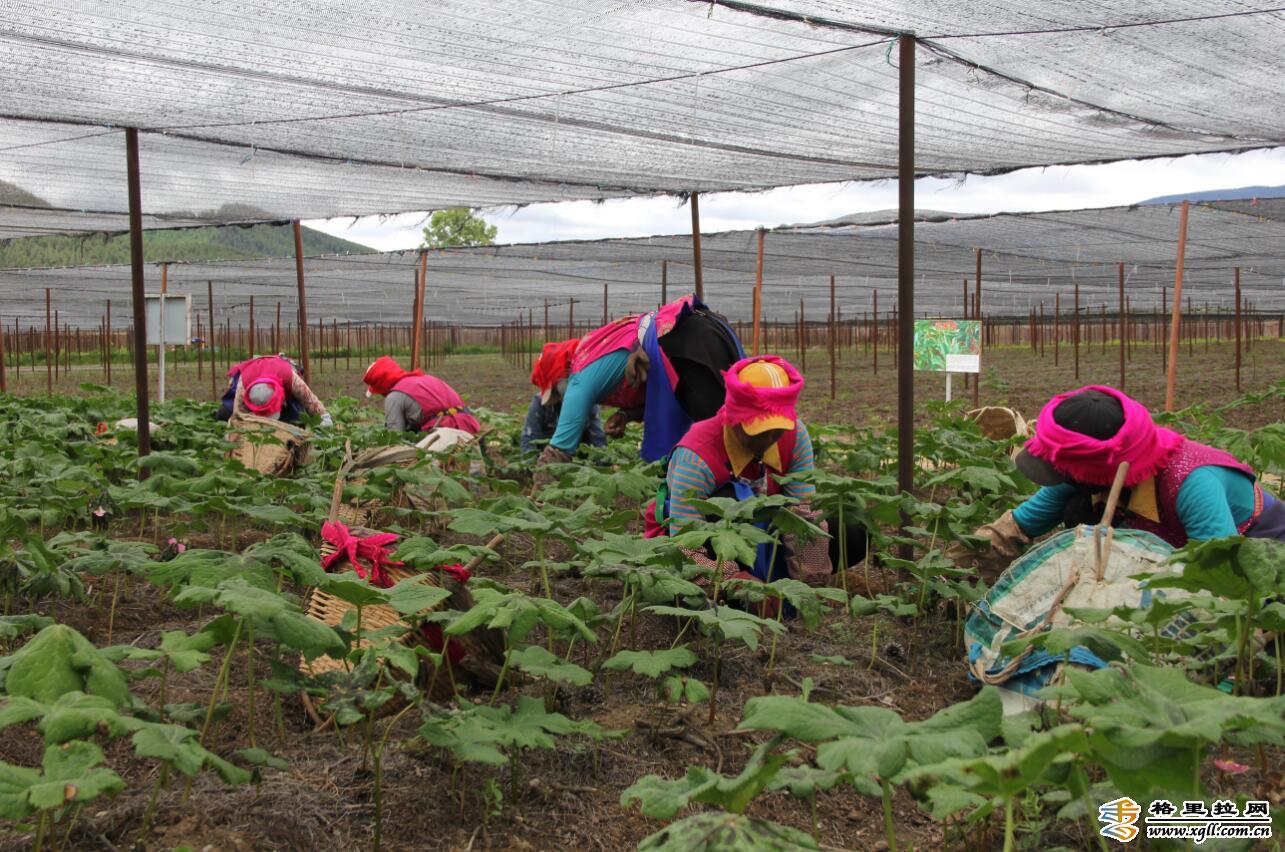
[417, 312]
[757, 301]
[874, 331]
[1124, 325]
[303, 303]
[906, 267]
[803, 339]
[1236, 274]
[1171, 377]
[981, 336]
[696, 245]
[1057, 326]
[830, 336]
[49, 355]
[139, 295]
[1075, 331]
[214, 334]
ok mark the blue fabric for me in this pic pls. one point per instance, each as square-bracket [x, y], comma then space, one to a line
[763, 567]
[664, 421]
[542, 421]
[586, 389]
[1042, 511]
[1213, 501]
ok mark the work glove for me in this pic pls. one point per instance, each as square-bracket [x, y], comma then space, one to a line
[636, 367]
[551, 455]
[326, 421]
[1007, 542]
[616, 423]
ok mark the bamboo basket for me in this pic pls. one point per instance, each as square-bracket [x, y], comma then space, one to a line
[484, 648]
[999, 423]
[268, 446]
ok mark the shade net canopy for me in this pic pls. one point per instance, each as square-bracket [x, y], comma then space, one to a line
[1027, 260]
[266, 111]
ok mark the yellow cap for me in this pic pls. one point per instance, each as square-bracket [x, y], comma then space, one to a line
[763, 374]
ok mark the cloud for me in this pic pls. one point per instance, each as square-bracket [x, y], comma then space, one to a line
[1050, 188]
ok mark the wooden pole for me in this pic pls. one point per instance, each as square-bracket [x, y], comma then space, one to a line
[4, 380]
[276, 330]
[604, 303]
[1057, 326]
[696, 245]
[254, 342]
[757, 301]
[1171, 377]
[139, 296]
[803, 340]
[1236, 284]
[546, 319]
[571, 318]
[664, 283]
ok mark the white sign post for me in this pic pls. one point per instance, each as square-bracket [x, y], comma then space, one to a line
[169, 322]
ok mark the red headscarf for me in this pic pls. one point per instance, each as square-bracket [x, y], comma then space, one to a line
[382, 375]
[1146, 447]
[554, 364]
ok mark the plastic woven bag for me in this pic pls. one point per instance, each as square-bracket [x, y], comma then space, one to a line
[1032, 595]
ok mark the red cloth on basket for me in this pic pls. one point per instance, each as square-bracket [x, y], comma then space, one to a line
[369, 555]
[433, 632]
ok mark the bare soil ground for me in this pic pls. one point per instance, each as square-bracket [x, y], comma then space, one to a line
[569, 798]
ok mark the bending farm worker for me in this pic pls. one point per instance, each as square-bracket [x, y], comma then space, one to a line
[416, 402]
[752, 439]
[1175, 487]
[663, 368]
[551, 374]
[270, 386]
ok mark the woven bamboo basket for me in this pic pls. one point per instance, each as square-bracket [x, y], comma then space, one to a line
[999, 423]
[268, 446]
[484, 648]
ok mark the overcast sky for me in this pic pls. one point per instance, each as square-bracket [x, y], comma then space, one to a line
[1053, 188]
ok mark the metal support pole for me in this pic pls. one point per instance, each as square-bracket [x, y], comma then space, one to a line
[906, 266]
[139, 295]
[981, 336]
[1236, 273]
[1124, 325]
[49, 355]
[696, 245]
[1171, 377]
[830, 336]
[417, 312]
[303, 303]
[757, 301]
[214, 334]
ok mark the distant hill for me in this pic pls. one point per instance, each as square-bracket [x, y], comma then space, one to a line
[230, 242]
[1221, 195]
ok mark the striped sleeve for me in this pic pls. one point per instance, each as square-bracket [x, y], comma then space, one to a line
[802, 462]
[304, 396]
[688, 477]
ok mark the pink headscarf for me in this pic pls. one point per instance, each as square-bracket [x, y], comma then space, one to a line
[1145, 446]
[745, 402]
[274, 403]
